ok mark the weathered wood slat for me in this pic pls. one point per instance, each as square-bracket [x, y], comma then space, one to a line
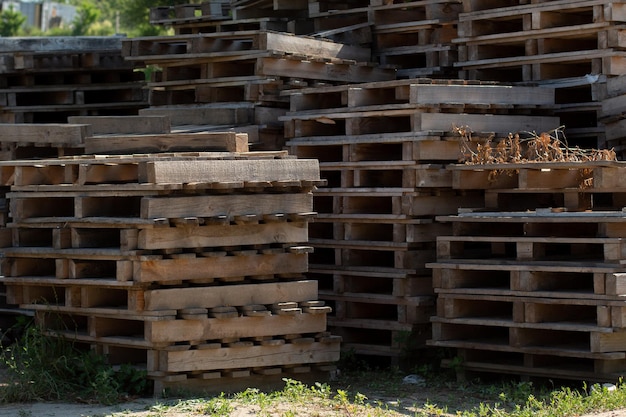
[173, 270]
[220, 235]
[130, 201]
[494, 94]
[45, 133]
[102, 125]
[180, 142]
[235, 170]
[217, 296]
[238, 327]
[253, 356]
[228, 205]
[339, 72]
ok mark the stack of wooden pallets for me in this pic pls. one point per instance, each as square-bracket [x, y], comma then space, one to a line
[235, 78]
[45, 80]
[539, 41]
[342, 21]
[416, 36]
[383, 148]
[188, 264]
[215, 16]
[531, 284]
[104, 135]
[572, 45]
[110, 134]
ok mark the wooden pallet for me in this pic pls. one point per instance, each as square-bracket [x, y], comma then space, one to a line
[536, 363]
[160, 235]
[531, 312]
[476, 96]
[267, 74]
[608, 250]
[403, 120]
[278, 24]
[67, 96]
[248, 66]
[263, 89]
[414, 11]
[319, 7]
[573, 186]
[240, 380]
[228, 168]
[161, 317]
[244, 9]
[216, 45]
[416, 37]
[583, 37]
[590, 283]
[534, 290]
[212, 359]
[45, 81]
[353, 29]
[401, 107]
[381, 340]
[184, 13]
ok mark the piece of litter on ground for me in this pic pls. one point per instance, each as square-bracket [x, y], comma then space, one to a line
[414, 379]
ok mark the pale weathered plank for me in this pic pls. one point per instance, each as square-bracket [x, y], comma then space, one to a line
[175, 142]
[64, 134]
[167, 270]
[170, 331]
[225, 205]
[499, 124]
[231, 170]
[219, 235]
[480, 94]
[275, 41]
[239, 295]
[608, 342]
[104, 125]
[323, 71]
[615, 284]
[248, 357]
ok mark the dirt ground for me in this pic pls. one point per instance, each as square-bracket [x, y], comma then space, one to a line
[72, 410]
[408, 396]
[139, 408]
[384, 388]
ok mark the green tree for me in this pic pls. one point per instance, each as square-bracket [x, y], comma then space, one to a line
[10, 22]
[87, 15]
[135, 15]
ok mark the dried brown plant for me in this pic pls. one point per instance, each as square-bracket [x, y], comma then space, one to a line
[544, 147]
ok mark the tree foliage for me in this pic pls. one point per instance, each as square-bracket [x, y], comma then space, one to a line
[87, 14]
[96, 17]
[135, 15]
[10, 22]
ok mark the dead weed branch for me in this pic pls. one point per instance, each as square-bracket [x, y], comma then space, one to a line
[546, 147]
